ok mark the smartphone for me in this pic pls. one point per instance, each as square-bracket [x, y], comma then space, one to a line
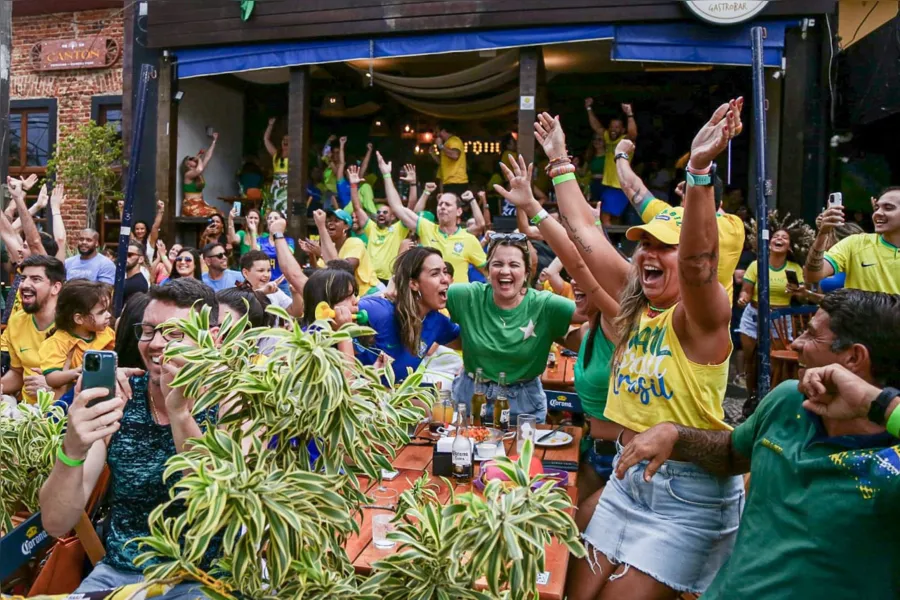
[835, 199]
[99, 371]
[792, 277]
[237, 207]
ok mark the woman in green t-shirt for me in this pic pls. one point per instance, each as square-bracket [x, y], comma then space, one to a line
[508, 327]
[246, 239]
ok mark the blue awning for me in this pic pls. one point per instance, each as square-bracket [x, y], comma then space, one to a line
[666, 42]
[696, 43]
[235, 59]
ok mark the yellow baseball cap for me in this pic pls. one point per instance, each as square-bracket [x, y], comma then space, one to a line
[666, 227]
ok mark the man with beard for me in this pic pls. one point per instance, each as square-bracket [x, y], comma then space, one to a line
[135, 281]
[384, 234]
[89, 264]
[42, 279]
[135, 437]
[334, 238]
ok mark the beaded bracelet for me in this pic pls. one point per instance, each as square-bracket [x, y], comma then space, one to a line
[557, 162]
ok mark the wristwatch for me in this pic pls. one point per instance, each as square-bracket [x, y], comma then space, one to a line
[622, 155]
[701, 180]
[278, 236]
[880, 405]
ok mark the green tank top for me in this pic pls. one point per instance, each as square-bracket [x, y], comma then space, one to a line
[592, 381]
[598, 164]
[194, 187]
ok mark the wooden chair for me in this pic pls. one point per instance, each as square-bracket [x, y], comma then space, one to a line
[787, 324]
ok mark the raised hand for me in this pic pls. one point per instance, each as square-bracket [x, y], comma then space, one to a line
[160, 247]
[369, 146]
[353, 175]
[482, 197]
[58, 196]
[331, 138]
[626, 108]
[215, 136]
[829, 219]
[271, 121]
[519, 178]
[550, 135]
[15, 187]
[87, 425]
[410, 176]
[384, 167]
[29, 182]
[713, 137]
[160, 206]
[679, 189]
[278, 225]
[430, 187]
[467, 196]
[43, 197]
[588, 102]
[626, 146]
[319, 217]
[343, 140]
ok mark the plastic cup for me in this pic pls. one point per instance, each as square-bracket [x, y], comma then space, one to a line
[526, 427]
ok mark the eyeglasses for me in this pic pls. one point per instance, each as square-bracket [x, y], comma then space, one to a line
[134, 254]
[219, 255]
[185, 259]
[508, 238]
[145, 333]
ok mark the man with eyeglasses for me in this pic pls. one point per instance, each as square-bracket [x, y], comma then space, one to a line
[135, 279]
[134, 434]
[219, 276]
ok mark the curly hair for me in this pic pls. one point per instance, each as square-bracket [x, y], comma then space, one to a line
[802, 235]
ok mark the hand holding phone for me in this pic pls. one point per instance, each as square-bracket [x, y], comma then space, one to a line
[99, 371]
[792, 278]
[835, 199]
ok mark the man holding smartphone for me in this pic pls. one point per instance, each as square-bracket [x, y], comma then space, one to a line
[134, 435]
[870, 260]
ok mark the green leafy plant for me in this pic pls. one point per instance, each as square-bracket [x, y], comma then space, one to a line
[88, 160]
[28, 443]
[279, 519]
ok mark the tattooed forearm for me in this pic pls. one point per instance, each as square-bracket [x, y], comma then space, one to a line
[699, 269]
[815, 261]
[710, 450]
[579, 241]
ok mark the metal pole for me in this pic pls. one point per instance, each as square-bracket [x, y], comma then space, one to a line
[762, 212]
[130, 191]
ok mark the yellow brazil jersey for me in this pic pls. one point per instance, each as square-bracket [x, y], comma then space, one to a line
[653, 381]
[25, 339]
[62, 347]
[778, 282]
[454, 171]
[460, 248]
[567, 291]
[731, 237]
[365, 272]
[384, 245]
[872, 263]
[610, 174]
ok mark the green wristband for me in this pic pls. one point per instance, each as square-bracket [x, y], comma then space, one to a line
[69, 462]
[893, 423]
[563, 178]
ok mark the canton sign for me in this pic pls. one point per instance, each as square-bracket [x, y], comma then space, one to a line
[725, 13]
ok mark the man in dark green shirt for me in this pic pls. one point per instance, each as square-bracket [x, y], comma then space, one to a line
[821, 519]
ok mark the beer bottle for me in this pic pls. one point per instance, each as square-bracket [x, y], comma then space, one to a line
[461, 453]
[479, 400]
[501, 406]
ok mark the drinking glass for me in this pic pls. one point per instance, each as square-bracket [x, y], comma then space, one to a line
[526, 426]
[384, 506]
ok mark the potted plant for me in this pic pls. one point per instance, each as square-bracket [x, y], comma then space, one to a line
[29, 437]
[282, 516]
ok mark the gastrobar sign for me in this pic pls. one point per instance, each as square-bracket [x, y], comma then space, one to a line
[73, 54]
[725, 13]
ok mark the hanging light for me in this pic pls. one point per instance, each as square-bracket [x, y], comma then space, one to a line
[379, 128]
[408, 132]
[332, 103]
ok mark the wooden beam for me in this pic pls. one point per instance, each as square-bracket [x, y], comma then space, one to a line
[166, 145]
[529, 60]
[298, 155]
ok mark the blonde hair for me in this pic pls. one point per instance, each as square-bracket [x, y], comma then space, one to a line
[632, 304]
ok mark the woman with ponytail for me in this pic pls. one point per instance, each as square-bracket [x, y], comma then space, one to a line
[406, 320]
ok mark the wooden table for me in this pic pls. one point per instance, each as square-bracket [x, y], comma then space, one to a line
[412, 461]
[560, 376]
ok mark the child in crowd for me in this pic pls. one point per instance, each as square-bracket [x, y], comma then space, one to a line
[82, 323]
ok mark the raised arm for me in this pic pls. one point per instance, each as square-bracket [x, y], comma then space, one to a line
[522, 224]
[341, 161]
[364, 165]
[632, 185]
[57, 198]
[329, 250]
[354, 178]
[555, 235]
[207, 156]
[595, 123]
[233, 238]
[406, 216]
[157, 224]
[479, 228]
[604, 262]
[817, 268]
[10, 238]
[485, 209]
[39, 205]
[705, 304]
[32, 235]
[418, 206]
[631, 126]
[289, 266]
[411, 180]
[267, 138]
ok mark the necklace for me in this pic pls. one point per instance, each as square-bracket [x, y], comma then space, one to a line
[153, 413]
[657, 311]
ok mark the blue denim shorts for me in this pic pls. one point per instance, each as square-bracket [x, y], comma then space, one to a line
[106, 578]
[679, 528]
[525, 397]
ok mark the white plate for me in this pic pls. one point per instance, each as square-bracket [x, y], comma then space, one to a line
[501, 451]
[560, 438]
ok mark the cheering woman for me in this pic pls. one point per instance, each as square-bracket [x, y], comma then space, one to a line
[406, 320]
[651, 537]
[192, 182]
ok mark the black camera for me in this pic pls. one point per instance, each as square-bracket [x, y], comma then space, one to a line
[91, 362]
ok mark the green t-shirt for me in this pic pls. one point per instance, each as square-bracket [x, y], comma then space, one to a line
[821, 514]
[245, 247]
[515, 341]
[367, 199]
[592, 381]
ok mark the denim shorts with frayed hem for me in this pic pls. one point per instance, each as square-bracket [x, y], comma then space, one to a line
[679, 528]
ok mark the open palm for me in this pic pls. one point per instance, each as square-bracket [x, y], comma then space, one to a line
[519, 178]
[550, 135]
[712, 139]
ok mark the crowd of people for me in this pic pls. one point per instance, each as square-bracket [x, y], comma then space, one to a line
[663, 508]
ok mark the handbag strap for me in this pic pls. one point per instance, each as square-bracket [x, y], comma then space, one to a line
[86, 533]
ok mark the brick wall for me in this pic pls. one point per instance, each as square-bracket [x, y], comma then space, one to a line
[74, 89]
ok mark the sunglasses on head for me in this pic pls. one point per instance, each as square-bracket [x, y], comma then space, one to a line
[185, 259]
[219, 255]
[508, 238]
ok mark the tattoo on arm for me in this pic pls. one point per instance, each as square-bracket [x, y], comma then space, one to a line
[699, 269]
[578, 239]
[815, 260]
[710, 450]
